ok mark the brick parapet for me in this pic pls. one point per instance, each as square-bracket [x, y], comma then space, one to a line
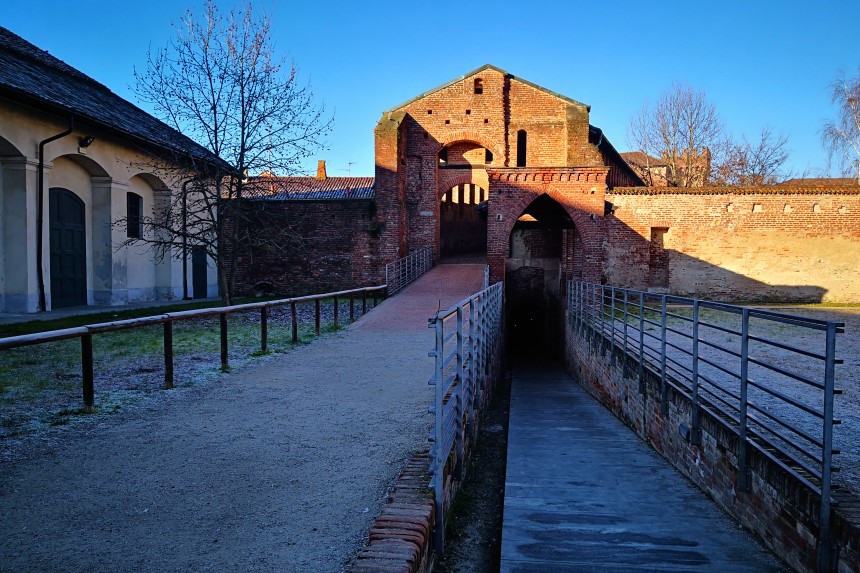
[401, 536]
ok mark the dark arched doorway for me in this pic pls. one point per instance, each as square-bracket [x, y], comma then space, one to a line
[68, 249]
[533, 277]
[463, 223]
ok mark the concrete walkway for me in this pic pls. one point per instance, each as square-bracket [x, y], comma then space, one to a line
[279, 466]
[584, 494]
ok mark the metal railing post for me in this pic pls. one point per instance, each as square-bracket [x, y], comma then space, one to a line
[664, 390]
[168, 355]
[363, 302]
[641, 342]
[827, 550]
[612, 330]
[294, 319]
[351, 308]
[459, 396]
[437, 461]
[695, 430]
[743, 481]
[624, 358]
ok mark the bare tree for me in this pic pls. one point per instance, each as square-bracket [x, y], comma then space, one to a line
[684, 131]
[754, 163]
[842, 136]
[220, 83]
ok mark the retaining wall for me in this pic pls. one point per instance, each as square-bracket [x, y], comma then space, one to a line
[777, 507]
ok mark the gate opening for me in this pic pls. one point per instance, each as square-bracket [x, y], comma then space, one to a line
[534, 280]
[463, 223]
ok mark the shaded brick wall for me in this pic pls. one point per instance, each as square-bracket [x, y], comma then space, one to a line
[328, 246]
[752, 244]
[778, 508]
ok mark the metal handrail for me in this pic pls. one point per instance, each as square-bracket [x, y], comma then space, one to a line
[404, 271]
[683, 356]
[86, 332]
[467, 360]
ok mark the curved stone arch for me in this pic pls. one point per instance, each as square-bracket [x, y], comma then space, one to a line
[8, 149]
[589, 228]
[524, 198]
[156, 183]
[446, 182]
[88, 164]
[470, 136]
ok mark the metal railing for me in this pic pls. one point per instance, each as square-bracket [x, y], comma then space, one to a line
[402, 272]
[467, 361]
[734, 363]
[86, 333]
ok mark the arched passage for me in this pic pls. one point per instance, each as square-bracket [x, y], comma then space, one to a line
[534, 271]
[462, 191]
[463, 222]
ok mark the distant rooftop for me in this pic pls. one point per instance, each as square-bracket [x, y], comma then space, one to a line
[275, 188]
[31, 75]
[821, 181]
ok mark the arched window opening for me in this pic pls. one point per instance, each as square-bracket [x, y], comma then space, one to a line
[521, 148]
[479, 86]
[134, 216]
[488, 156]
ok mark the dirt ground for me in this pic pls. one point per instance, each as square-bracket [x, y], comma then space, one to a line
[281, 465]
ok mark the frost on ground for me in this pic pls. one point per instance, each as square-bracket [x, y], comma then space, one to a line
[722, 352]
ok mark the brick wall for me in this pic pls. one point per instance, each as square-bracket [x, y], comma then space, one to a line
[752, 244]
[777, 508]
[332, 245]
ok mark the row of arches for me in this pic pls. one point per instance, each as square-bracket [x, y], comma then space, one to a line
[84, 262]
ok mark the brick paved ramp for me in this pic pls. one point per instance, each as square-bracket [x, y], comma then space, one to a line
[281, 465]
[583, 493]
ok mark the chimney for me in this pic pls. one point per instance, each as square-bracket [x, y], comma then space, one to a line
[321, 169]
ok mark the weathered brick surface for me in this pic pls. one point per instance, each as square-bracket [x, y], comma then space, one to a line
[400, 538]
[777, 507]
[334, 246]
[752, 244]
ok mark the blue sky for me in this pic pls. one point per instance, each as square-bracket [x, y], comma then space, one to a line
[761, 62]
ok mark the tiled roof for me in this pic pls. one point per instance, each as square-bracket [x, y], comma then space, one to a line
[30, 74]
[821, 181]
[641, 158]
[310, 188]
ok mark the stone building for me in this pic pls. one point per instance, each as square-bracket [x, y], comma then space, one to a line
[494, 168]
[102, 159]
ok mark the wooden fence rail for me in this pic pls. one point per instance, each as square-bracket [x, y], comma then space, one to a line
[85, 333]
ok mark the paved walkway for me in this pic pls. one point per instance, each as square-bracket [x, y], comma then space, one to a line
[280, 465]
[584, 494]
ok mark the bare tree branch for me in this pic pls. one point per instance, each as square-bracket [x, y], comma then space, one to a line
[841, 137]
[684, 131]
[755, 163]
[220, 82]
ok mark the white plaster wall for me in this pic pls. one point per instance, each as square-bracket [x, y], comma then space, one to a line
[100, 175]
[140, 260]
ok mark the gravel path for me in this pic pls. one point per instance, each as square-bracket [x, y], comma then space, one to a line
[279, 466]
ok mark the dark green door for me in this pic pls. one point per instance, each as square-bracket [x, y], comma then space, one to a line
[68, 250]
[198, 272]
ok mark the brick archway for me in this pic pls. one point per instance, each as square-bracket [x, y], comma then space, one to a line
[580, 192]
[473, 137]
